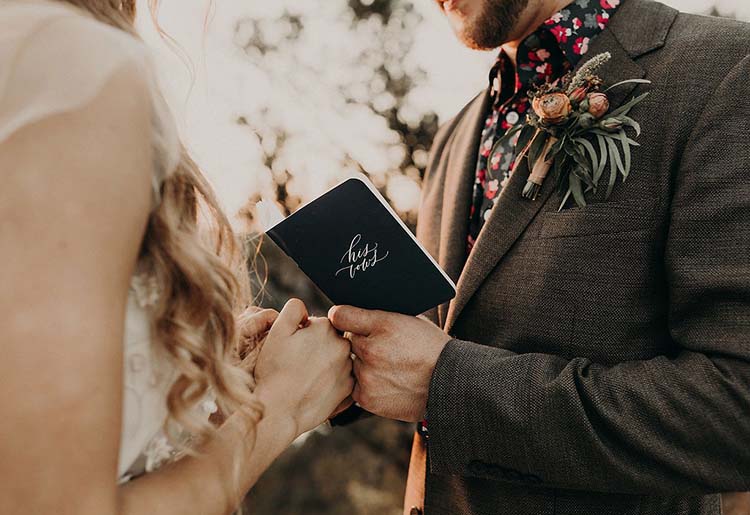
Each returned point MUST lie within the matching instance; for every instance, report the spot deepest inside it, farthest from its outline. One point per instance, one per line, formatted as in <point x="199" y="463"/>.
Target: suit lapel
<point x="459" y="184"/>
<point x="508" y="220"/>
<point x="512" y="214"/>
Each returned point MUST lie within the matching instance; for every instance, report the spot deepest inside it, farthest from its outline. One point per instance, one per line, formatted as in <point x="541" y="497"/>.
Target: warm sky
<point x="227" y="85"/>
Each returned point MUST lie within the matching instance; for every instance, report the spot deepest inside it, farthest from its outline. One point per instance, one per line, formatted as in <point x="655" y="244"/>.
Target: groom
<point x="596" y="360"/>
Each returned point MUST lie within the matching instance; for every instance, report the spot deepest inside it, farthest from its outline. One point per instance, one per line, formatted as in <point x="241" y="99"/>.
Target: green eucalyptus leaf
<point x="561" y="161"/>
<point x="601" y="132"/>
<point x="580" y="158"/>
<point x="627" y="120"/>
<point x="573" y="148"/>
<point x="614" y="163"/>
<point x="603" y="160"/>
<point x="612" y="170"/>
<point x="629" y="81"/>
<point x="626" y="154"/>
<point x="585" y="176"/>
<point x="592" y="155"/>
<point x="577" y="190"/>
<point x="614" y="153"/>
<point x="625" y="109"/>
<point x="556" y="148"/>
<point x="564" y="200"/>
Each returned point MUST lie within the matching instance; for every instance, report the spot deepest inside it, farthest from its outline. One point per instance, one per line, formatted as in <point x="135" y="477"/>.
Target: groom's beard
<point x="494" y="25"/>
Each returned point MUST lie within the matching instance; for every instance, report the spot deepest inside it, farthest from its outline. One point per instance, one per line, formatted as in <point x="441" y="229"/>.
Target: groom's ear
<point x="353" y="320"/>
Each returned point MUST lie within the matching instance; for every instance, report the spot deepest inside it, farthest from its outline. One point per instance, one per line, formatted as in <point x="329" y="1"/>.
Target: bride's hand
<point x="253" y="326"/>
<point x="304" y="368"/>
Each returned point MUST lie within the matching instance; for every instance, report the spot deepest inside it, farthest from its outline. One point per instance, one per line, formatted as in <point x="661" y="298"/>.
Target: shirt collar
<point x="555" y="47"/>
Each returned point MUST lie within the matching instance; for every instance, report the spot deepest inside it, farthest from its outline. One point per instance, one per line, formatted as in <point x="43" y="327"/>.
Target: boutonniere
<point x="572" y="132"/>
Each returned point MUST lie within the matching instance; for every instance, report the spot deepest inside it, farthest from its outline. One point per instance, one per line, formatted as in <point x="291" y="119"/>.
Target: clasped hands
<point x="393" y="358"/>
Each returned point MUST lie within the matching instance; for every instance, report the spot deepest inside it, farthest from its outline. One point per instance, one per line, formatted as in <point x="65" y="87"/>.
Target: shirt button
<point x="512" y="117"/>
<point x="415" y="511"/>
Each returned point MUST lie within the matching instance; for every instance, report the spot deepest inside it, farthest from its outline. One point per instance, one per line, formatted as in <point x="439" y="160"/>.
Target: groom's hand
<point x="396" y="355"/>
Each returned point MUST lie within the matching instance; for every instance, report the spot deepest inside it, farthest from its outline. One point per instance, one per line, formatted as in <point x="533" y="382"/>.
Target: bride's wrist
<point x="276" y="411"/>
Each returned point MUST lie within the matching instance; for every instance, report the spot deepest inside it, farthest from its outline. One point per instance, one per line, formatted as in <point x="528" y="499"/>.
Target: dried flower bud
<point x="552" y="108"/>
<point x="598" y="104"/>
<point x="612" y="124"/>
<point x="578" y="95"/>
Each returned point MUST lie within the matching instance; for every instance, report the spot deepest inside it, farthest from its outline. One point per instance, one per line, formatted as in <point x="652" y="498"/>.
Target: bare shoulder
<point x="77" y="184"/>
<point x="98" y="150"/>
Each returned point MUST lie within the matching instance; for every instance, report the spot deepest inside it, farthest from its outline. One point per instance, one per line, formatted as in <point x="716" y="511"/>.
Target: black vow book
<point x="355" y="248"/>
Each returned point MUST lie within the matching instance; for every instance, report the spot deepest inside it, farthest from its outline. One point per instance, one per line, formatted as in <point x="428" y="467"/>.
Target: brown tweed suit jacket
<point x="601" y="360"/>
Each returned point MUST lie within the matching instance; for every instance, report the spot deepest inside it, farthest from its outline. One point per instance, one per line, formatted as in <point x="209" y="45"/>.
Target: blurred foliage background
<point x="280" y="100"/>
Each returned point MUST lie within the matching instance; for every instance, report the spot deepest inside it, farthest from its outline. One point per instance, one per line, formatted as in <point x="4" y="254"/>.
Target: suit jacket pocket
<point x="601" y="218"/>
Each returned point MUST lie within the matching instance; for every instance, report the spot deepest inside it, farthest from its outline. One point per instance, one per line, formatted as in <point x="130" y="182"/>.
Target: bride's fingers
<point x="292" y="317"/>
<point x="258" y="323"/>
<point x="251" y="310"/>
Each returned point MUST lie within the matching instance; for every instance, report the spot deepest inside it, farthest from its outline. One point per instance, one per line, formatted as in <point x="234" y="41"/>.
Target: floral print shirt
<point x="546" y="55"/>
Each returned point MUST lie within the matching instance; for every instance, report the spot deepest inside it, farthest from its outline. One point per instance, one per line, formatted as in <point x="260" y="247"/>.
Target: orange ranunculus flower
<point x="552" y="108"/>
<point x="598" y="104"/>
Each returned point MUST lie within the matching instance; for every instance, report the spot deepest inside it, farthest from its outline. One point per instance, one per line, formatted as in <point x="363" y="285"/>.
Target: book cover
<point x="355" y="248"/>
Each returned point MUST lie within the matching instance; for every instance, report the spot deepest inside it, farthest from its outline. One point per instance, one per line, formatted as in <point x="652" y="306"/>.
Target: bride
<point x="131" y="381"/>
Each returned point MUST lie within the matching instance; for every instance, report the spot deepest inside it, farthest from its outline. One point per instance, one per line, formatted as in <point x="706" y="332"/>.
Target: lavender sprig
<point x="587" y="70"/>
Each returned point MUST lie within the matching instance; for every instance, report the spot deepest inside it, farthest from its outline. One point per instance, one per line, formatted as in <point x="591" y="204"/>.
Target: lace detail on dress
<point x="161" y="451"/>
<point x="148" y="376"/>
<point x="146" y="290"/>
<point x="158" y="452"/>
<point x="149" y="439"/>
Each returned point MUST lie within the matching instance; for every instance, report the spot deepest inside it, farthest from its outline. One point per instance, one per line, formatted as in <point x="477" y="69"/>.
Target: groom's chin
<point x="469" y="39"/>
<point x="469" y="34"/>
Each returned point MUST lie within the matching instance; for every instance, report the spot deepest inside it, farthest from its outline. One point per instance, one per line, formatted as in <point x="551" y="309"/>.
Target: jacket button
<point x="415" y="511"/>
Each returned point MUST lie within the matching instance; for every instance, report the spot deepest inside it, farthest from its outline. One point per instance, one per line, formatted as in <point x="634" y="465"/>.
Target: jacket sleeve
<point x="678" y="422"/>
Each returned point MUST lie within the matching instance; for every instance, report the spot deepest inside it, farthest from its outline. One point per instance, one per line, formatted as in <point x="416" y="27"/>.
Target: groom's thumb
<point x="353" y="320"/>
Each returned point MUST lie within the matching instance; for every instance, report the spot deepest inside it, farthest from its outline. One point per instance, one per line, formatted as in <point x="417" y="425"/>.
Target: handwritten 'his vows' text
<point x="360" y="258"/>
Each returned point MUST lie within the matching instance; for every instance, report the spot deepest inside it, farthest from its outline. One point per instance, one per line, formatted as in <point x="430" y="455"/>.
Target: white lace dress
<point x="55" y="59"/>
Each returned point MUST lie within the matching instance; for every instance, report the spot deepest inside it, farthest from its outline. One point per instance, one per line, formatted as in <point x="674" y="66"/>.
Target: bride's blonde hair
<point x="200" y="283"/>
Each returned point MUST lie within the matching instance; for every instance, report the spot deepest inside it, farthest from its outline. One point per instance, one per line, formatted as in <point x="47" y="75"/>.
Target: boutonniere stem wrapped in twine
<point x="572" y="133"/>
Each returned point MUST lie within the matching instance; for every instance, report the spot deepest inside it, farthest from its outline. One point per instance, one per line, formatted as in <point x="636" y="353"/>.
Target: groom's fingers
<point x="362" y="347"/>
<point x="354" y="320"/>
<point x="292" y="317"/>
<point x="357" y="368"/>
